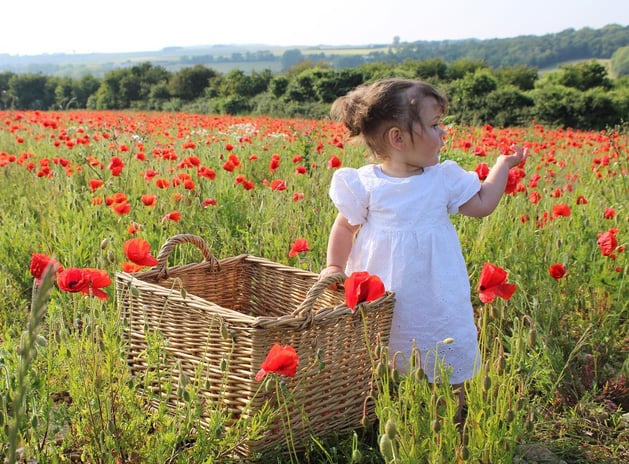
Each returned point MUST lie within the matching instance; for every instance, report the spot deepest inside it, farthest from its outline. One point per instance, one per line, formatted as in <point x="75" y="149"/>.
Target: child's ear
<point x="395" y="137"/>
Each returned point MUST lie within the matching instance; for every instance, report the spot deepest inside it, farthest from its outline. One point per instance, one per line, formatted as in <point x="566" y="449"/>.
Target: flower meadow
<point x="84" y="195"/>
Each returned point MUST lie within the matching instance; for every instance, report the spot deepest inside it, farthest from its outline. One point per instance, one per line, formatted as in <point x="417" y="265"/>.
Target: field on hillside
<point x="77" y="186"/>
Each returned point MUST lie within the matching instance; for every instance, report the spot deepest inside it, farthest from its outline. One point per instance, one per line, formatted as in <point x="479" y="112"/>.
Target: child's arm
<point x="491" y="191"/>
<point x="339" y="245"/>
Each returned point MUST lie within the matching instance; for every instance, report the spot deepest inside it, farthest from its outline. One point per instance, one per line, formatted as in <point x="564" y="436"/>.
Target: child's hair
<point x="369" y="108"/>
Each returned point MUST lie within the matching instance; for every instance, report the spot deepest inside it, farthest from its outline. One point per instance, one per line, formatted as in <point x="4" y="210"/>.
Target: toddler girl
<point x="393" y="219"/>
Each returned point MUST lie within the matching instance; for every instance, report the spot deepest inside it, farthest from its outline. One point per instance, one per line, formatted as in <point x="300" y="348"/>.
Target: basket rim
<point x="290" y="319"/>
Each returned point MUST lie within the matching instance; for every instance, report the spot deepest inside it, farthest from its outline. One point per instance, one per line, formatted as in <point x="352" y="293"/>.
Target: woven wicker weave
<point x="230" y="314"/>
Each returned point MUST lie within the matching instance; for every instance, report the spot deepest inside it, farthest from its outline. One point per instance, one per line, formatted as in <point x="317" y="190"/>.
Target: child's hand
<point x="326" y="271"/>
<point x="518" y="157"/>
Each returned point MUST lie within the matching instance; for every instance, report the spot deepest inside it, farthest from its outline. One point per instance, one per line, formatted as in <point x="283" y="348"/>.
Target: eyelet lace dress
<point x="407" y="239"/>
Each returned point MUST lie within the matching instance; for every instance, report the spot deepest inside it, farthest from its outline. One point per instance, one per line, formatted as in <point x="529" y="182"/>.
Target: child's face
<point x="428" y="135"/>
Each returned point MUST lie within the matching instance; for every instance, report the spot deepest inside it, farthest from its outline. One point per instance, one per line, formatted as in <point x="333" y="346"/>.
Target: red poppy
<point x="560" y="210"/>
<point x="513" y="180"/>
<point x="138" y="251"/>
<point x="278" y="185"/>
<point x="41" y="262"/>
<point x="334" y="162"/>
<point x="115" y="166"/>
<point x="84" y="280"/>
<point x="209" y="202"/>
<point x="607" y="241"/>
<point x="300" y="245"/>
<point x="149" y="199"/>
<point x="557" y="271"/>
<point x="282" y="360"/>
<point x="172" y="216"/>
<point x="361" y="286"/>
<point x="609" y="213"/>
<point x="122" y="208"/>
<point x="131" y="267"/>
<point x="95" y="183"/>
<point x="493" y="283"/>
<point x="482" y="170"/>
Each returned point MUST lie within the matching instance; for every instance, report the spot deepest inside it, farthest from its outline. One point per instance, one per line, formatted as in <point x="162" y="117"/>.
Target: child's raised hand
<point x="520" y="154"/>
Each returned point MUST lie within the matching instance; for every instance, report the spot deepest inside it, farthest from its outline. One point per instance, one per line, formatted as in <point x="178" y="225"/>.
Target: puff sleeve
<point x="349" y="195"/>
<point x="461" y="185"/>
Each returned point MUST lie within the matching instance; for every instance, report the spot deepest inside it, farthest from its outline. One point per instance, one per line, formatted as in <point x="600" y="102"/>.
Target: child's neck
<point x="395" y="170"/>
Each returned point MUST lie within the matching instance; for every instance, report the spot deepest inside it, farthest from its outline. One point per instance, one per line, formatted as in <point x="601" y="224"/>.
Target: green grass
<point x="554" y="370"/>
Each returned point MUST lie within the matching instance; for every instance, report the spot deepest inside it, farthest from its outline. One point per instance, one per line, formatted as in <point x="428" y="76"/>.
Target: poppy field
<point x="85" y="194"/>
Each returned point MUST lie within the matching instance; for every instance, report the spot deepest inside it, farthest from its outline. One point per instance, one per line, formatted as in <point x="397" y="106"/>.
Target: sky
<point x="31" y="27"/>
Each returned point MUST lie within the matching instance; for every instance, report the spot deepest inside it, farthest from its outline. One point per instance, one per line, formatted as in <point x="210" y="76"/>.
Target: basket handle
<point x="305" y="308"/>
<point x="168" y="247"/>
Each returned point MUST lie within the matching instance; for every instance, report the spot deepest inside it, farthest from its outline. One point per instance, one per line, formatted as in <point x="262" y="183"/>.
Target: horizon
<point x="129" y="27"/>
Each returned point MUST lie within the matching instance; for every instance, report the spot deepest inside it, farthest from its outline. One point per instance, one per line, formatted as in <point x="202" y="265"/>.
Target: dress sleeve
<point x="349" y="195"/>
<point x="461" y="185"/>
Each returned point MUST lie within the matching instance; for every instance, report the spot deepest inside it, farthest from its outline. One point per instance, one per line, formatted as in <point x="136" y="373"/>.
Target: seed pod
<point x="390" y="428"/>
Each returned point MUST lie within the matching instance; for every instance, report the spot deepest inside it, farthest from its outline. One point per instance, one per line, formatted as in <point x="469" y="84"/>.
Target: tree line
<point x="581" y="95"/>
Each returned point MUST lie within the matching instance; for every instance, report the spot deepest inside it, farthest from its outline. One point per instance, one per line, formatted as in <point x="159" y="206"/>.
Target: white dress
<point x="408" y="240"/>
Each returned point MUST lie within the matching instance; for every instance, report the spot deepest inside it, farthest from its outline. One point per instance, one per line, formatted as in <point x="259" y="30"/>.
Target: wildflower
<point x="560" y="210"/>
<point x="278" y="185"/>
<point x="208" y="202"/>
<point x="361" y="286"/>
<point x="557" y="271"/>
<point x="493" y="283"/>
<point x="131" y="267"/>
<point x="482" y="171"/>
<point x="95" y="183"/>
<point x="41" y="262"/>
<point x="173" y="216"/>
<point x="149" y="199"/>
<point x="84" y="280"/>
<point x="282" y="360"/>
<point x="115" y="166"/>
<point x="300" y="245"/>
<point x="607" y="242"/>
<point x="122" y="208"/>
<point x="609" y="213"/>
<point x="138" y="251"/>
<point x="334" y="162"/>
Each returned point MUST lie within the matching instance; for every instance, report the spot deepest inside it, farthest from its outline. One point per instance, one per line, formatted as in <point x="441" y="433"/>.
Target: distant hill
<point x="543" y="52"/>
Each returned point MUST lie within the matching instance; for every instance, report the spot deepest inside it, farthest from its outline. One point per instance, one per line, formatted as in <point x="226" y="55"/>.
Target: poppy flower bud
<point x="532" y="337"/>
<point x="435" y="425"/>
<point x="357" y="456"/>
<point x="390" y="428"/>
<point x="486" y="383"/>
<point x="104" y="244"/>
<point x="386" y="447"/>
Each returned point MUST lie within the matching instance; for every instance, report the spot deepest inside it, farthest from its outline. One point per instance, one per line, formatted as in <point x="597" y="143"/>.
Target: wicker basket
<point x="227" y="317"/>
